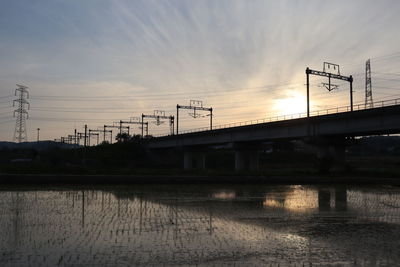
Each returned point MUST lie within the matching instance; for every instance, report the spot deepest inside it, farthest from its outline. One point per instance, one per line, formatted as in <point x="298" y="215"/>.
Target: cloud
<point x="238" y="56"/>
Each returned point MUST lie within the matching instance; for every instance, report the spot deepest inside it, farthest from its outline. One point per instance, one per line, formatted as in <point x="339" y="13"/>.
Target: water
<point x="213" y="225"/>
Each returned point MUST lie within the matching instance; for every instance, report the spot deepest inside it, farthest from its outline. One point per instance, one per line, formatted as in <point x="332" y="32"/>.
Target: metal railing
<point x="378" y="104"/>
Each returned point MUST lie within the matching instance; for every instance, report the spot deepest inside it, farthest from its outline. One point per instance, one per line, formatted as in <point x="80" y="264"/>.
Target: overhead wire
<point x="220" y="103"/>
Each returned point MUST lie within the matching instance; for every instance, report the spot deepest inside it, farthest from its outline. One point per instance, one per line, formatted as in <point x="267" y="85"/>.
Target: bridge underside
<point x="332" y="129"/>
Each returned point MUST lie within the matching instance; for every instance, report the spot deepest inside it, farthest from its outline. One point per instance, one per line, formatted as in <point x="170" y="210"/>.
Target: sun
<point x="293" y="103"/>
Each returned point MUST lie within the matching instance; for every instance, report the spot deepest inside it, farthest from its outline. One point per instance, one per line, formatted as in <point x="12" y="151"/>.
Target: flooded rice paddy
<point x="207" y="225"/>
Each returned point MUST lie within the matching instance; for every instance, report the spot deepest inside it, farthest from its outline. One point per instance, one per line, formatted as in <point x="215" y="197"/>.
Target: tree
<point x="122" y="137"/>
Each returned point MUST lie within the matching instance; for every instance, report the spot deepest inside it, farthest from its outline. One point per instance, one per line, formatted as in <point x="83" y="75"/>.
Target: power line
<point x="383" y="73"/>
<point x="152" y="96"/>
<point x="77" y="111"/>
<point x="4" y="122"/>
<point x="7" y="96"/>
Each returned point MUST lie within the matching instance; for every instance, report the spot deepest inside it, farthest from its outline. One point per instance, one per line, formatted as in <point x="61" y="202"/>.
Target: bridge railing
<point x="377" y="104"/>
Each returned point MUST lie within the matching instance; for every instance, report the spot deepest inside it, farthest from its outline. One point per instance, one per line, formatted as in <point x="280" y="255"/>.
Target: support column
<point x="194" y="160"/>
<point x="331" y="154"/>
<point x="246" y="157"/>
<point x="341" y="198"/>
<point x="324" y="199"/>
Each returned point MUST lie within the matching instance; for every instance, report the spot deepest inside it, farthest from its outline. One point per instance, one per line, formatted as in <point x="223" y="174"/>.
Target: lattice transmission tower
<point x="368" y="85"/>
<point x="21" y="113"/>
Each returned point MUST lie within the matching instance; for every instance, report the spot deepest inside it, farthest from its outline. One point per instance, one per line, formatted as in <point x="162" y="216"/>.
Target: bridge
<point x="325" y="130"/>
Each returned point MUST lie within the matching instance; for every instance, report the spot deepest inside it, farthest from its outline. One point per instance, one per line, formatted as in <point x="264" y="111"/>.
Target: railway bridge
<point x="325" y="130"/>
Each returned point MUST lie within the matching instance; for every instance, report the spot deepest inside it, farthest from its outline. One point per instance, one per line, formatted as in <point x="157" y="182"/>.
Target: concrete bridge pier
<point x="324" y="199"/>
<point x="194" y="160"/>
<point x="331" y="154"/>
<point x="332" y="198"/>
<point x="341" y="198"/>
<point x="246" y="157"/>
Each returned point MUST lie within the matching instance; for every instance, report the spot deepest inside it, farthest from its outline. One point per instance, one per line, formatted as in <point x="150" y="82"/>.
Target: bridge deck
<point x="382" y="120"/>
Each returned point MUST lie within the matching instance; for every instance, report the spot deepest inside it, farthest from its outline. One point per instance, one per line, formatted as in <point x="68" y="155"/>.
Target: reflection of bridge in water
<point x="183" y="224"/>
<point x="294" y="199"/>
<point x="322" y="216"/>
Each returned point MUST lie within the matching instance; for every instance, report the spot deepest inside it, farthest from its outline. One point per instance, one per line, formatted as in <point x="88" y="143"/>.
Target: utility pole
<point x="75" y="137"/>
<point x="70" y="139"/>
<point x="142" y="128"/>
<point x="120" y="126"/>
<point x="133" y="120"/>
<point x="159" y="115"/>
<point x="195" y="105"/>
<point x="330" y="76"/>
<point x="85" y="137"/>
<point x="82" y="136"/>
<point x="38" y="130"/>
<point x="107" y="131"/>
<point x="115" y="126"/>
<point x="20" y="134"/>
<point x="95" y="133"/>
<point x="368" y="85"/>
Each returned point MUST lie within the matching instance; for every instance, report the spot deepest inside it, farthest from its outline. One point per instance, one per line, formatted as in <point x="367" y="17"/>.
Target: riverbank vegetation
<point x="371" y="156"/>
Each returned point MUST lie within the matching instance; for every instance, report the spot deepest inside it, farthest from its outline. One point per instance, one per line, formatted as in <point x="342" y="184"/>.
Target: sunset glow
<point x="294" y="103"/>
<point x="96" y="64"/>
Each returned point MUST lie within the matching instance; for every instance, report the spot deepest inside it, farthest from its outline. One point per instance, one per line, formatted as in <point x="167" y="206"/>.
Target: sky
<point x="96" y="62"/>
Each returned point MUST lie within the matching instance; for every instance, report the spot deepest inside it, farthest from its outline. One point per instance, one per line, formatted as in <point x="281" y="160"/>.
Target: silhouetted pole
<point x="38" y="130"/>
<point x="329" y="76"/>
<point x="351" y="92"/>
<point x="171" y="123"/>
<point x="195" y="105"/>
<point x="104" y="133"/>
<point x="83" y="208"/>
<point x="308" y="91"/>
<point x="84" y="138"/>
<point x="158" y="115"/>
<point x="177" y="119"/>
<point x="211" y="115"/>
<point x="142" y="125"/>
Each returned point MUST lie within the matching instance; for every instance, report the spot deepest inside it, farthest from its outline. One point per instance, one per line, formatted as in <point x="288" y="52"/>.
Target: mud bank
<point x="187" y="179"/>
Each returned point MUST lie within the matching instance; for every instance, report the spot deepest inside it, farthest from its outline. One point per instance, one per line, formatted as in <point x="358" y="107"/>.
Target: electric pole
<point x="104" y="131"/>
<point x="38" y="130"/>
<point x="85" y="137"/>
<point x="330" y="76"/>
<point x="75" y="137"/>
<point x="159" y="115"/>
<point x="195" y="105"/>
<point x="20" y="134"/>
<point x="120" y="127"/>
<point x="368" y="85"/>
<point x="135" y="120"/>
<point x="95" y="133"/>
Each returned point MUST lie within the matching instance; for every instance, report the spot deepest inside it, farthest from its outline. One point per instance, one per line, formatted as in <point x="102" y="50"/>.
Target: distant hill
<point x="378" y="145"/>
<point x="41" y="145"/>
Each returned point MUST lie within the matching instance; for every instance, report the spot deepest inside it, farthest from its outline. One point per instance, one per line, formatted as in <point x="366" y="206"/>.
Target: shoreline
<point x="189" y="179"/>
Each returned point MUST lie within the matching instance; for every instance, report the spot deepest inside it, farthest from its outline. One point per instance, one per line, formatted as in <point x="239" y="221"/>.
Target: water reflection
<point x="173" y="225"/>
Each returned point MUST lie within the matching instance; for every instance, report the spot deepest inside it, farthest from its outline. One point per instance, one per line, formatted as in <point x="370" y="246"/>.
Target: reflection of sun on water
<point x="224" y="195"/>
<point x="298" y="200"/>
<point x="294" y="103"/>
